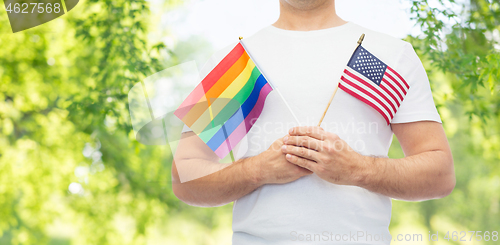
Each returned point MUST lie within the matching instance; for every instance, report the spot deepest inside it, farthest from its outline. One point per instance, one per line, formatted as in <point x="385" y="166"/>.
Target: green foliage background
<point x="64" y="119"/>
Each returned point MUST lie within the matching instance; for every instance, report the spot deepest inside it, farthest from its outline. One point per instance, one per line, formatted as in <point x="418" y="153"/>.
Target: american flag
<point x="372" y="81"/>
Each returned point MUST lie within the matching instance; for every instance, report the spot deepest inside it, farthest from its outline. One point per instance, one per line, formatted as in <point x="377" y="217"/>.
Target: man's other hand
<point x="271" y="166"/>
<point x="323" y="153"/>
<point x="426" y="172"/>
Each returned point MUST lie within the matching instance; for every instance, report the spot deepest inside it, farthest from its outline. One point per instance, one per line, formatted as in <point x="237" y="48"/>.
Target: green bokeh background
<point x="64" y="119"/>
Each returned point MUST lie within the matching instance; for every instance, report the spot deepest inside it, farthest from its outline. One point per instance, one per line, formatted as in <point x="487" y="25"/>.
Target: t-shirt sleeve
<point x="418" y="104"/>
<point x="209" y="66"/>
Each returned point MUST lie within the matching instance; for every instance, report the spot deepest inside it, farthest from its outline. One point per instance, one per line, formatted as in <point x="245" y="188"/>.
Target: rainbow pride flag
<point x="227" y="102"/>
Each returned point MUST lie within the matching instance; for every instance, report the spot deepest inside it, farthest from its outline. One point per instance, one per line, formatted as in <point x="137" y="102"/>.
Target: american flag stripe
<point x="359" y="87"/>
<point x="399" y="76"/>
<point x="367" y="100"/>
<point x="393" y="88"/>
<point x="371" y="86"/>
<point x="383" y="86"/>
<point x="395" y="84"/>
<point x="391" y="78"/>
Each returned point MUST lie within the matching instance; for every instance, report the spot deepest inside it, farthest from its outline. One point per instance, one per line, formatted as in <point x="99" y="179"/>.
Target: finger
<point x="301" y="162"/>
<point x="304" y="141"/>
<point x="311" y="131"/>
<point x="301" y="152"/>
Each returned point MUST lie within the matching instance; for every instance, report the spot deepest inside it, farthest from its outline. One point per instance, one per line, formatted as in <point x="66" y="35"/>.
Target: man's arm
<point x="222" y="185"/>
<point x="216" y="189"/>
<point x="426" y="171"/>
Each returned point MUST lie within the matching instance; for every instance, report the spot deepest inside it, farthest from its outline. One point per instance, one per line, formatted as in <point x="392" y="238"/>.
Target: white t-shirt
<point x="305" y="66"/>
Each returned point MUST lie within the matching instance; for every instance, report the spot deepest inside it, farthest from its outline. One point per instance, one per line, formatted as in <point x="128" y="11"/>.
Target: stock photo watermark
<point x="26" y="14"/>
<point x="365" y="236"/>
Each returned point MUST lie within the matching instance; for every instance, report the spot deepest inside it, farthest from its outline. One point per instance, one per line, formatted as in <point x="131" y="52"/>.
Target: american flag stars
<point x="368" y="65"/>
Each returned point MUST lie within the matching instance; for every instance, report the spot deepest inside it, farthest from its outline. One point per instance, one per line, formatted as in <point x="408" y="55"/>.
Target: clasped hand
<point x="325" y="154"/>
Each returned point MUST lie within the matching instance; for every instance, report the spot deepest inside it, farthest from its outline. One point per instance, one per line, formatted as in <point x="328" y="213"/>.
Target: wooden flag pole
<point x="335" y="91"/>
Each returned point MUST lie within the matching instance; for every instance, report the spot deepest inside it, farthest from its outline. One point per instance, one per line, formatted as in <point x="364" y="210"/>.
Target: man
<point x="323" y="185"/>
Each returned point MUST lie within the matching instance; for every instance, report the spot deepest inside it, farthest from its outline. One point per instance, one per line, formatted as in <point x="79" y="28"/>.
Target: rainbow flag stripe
<point x="227" y="102"/>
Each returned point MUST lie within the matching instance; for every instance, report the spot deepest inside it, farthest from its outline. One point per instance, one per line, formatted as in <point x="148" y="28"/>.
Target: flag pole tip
<point x="361" y="39"/>
<point x="240" y="38"/>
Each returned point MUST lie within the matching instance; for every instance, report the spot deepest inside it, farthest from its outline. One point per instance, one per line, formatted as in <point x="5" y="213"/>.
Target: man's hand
<point x="214" y="188"/>
<point x="426" y="172"/>
<point x="271" y="166"/>
<point x="323" y="153"/>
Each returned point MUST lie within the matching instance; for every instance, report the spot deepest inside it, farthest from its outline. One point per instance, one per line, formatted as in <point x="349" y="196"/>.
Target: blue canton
<point x="367" y="65"/>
